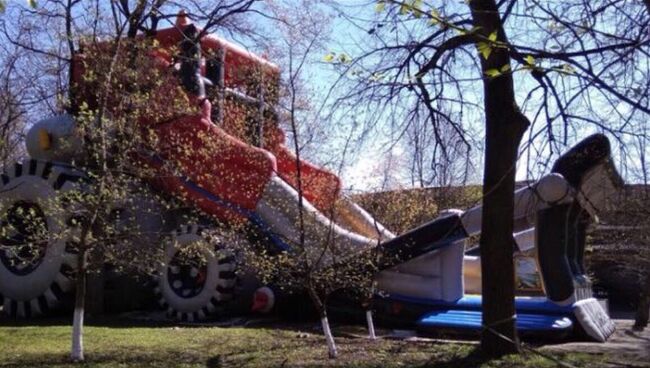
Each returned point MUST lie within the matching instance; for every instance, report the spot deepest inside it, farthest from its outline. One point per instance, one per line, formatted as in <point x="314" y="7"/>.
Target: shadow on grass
<point x="102" y="321"/>
<point x="218" y="362"/>
<point x="214" y="362"/>
<point x="474" y="359"/>
<point x="94" y="358"/>
<point x="126" y="321"/>
<point x="299" y="326"/>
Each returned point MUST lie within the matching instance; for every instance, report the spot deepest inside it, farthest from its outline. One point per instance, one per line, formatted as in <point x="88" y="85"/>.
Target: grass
<point x="124" y="345"/>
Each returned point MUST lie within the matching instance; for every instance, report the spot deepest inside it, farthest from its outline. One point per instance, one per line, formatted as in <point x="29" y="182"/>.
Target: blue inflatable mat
<point x="471" y="320"/>
<point x="523" y="304"/>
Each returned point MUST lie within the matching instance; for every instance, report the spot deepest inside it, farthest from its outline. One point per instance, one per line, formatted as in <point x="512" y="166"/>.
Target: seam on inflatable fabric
<point x="446" y="243"/>
<point x="257" y="220"/>
<point x="566" y="311"/>
<point x="251" y="215"/>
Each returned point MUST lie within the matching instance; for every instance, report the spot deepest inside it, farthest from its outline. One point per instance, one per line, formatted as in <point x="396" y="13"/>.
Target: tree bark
<point x="371" y="325"/>
<point x="94" y="304"/>
<point x="329" y="338"/>
<point x="77" y="351"/>
<point x="504" y="126"/>
<point x="332" y="351"/>
<point x="643" y="309"/>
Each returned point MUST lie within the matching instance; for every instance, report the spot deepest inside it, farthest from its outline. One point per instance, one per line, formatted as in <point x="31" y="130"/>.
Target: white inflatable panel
<point x="424" y="287"/>
<point x="593" y="319"/>
<point x="444" y="265"/>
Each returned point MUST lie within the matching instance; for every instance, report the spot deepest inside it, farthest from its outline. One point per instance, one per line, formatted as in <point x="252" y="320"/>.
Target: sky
<point x="365" y="170"/>
<point x="365" y="167"/>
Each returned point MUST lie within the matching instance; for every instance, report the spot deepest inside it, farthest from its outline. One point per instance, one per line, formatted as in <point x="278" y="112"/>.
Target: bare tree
<point x="562" y="61"/>
<point x="316" y="265"/>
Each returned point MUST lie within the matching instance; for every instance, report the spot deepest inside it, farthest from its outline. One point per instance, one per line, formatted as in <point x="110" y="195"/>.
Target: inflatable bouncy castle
<point x="225" y="156"/>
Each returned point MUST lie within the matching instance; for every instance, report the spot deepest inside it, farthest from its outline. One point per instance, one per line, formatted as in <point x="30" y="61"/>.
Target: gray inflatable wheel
<point x="198" y="276"/>
<point x="37" y="257"/>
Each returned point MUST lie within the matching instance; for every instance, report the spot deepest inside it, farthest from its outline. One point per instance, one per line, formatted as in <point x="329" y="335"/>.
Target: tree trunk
<point x="331" y="345"/>
<point x="94" y="305"/>
<point x="497" y="266"/>
<point x="643" y="309"/>
<point x="77" y="353"/>
<point x="504" y="127"/>
<point x="322" y="312"/>
<point x="371" y="325"/>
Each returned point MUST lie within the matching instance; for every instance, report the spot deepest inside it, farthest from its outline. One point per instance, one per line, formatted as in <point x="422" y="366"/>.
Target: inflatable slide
<point x="228" y="159"/>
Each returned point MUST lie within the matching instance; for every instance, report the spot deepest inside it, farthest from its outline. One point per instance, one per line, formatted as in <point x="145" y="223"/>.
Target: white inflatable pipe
<point x="472" y="274"/>
<point x="550" y="190"/>
<point x="350" y="211"/>
<point x="279" y="208"/>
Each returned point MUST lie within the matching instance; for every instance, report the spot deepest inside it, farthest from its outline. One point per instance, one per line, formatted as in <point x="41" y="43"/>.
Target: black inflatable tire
<point x="32" y="289"/>
<point x="552" y="240"/>
<point x="217" y="278"/>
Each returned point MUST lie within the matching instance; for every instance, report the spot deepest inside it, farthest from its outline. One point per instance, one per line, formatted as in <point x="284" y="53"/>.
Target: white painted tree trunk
<point x="77" y="353"/>
<point x="331" y="345"/>
<point x="371" y="325"/>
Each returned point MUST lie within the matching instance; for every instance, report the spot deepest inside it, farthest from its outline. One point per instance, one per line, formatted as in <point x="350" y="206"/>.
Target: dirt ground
<point x="625" y="348"/>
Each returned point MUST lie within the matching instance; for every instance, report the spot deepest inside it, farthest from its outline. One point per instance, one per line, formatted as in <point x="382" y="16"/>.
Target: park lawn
<point x="183" y="346"/>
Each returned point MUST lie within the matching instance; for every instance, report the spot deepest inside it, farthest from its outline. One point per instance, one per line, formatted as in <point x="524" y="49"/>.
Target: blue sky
<point x="364" y="167"/>
<point x="364" y="170"/>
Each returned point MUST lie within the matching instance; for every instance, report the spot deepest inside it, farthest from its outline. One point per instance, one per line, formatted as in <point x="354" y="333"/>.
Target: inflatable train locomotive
<point x="250" y="176"/>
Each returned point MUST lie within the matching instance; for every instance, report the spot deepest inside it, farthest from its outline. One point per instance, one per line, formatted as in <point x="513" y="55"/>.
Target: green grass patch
<point x="272" y="346"/>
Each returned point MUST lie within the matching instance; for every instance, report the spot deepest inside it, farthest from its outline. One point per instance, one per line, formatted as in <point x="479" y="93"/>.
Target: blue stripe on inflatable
<point x="535" y="305"/>
<point x="251" y="215"/>
<point x="279" y="243"/>
<point x="471" y="320"/>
